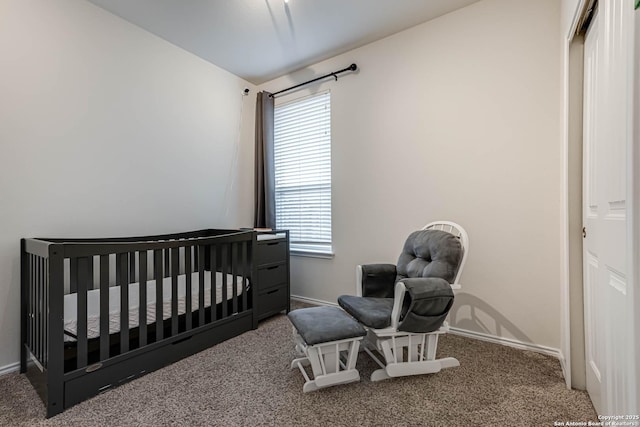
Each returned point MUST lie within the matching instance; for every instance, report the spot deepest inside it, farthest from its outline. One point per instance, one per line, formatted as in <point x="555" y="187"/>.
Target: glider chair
<point x="404" y="307"/>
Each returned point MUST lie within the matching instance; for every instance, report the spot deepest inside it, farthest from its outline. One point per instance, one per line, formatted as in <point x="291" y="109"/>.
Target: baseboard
<point x="509" y="342"/>
<point x="563" y="365"/>
<point x="521" y="345"/>
<point x="13" y="367"/>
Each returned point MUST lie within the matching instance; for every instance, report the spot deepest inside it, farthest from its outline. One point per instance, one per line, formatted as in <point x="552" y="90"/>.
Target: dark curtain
<point x="265" y="201"/>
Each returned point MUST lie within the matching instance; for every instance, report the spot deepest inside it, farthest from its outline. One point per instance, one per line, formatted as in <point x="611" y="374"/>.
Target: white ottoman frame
<point x="332" y="362"/>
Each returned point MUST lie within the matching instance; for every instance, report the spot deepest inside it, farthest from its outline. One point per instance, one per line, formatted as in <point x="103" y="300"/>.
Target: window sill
<point x="311" y="253"/>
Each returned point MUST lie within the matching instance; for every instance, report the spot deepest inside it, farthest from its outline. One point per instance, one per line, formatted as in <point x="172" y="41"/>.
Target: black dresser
<point x="272" y="265"/>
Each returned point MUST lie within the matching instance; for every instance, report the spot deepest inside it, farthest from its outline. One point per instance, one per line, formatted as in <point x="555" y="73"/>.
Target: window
<point x="302" y="157"/>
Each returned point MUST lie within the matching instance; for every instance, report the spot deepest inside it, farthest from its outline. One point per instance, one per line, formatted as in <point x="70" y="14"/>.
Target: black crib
<point x="67" y="366"/>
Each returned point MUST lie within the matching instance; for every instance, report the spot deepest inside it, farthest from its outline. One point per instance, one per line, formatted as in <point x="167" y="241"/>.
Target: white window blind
<point x="302" y="156"/>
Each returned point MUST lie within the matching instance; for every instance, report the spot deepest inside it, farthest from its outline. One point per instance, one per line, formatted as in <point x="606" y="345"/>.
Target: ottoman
<point x="329" y="339"/>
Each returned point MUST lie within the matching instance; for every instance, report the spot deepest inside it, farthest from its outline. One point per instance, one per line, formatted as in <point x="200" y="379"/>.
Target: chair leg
<point x="432" y="346"/>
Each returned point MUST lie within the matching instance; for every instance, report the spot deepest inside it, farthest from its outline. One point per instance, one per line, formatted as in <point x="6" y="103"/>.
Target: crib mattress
<point x="93" y="303"/>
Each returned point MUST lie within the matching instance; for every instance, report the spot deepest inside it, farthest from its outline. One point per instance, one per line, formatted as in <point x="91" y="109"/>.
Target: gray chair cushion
<point x="430" y="253"/>
<point x="371" y="312"/>
<point x="324" y="324"/>
<point x="378" y="280"/>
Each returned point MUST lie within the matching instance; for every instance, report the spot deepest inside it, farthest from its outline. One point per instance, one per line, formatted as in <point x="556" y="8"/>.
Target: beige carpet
<point x="246" y="381"/>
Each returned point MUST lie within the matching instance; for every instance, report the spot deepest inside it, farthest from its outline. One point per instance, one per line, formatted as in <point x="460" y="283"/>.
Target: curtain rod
<point x="351" y="67"/>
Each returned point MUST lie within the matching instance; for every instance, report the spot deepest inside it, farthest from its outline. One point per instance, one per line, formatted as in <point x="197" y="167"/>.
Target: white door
<point x="608" y="308"/>
<point x="593" y="312"/>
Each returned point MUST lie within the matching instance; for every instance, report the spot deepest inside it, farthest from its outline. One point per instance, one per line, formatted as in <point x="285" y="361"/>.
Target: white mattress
<point x="93" y="302"/>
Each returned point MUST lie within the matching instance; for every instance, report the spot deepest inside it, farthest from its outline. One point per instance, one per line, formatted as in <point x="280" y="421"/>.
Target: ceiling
<point x="259" y="40"/>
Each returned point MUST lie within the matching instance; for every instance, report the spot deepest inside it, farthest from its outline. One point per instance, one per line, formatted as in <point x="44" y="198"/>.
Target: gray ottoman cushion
<point x="324" y="324"/>
<point x="373" y="312"/>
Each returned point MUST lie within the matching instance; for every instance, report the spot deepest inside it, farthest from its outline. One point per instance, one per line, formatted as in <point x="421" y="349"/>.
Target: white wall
<point x="107" y="130"/>
<point x="457" y="118"/>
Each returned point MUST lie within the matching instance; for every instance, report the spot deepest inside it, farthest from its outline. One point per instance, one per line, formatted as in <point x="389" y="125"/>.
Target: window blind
<point x="302" y="157"/>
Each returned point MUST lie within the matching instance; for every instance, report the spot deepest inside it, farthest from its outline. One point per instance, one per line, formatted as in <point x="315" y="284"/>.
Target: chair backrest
<point x="449" y="243"/>
<point x="460" y="233"/>
<point x="430" y="253"/>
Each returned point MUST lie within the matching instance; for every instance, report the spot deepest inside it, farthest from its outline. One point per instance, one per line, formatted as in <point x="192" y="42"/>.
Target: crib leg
<point x="23" y="359"/>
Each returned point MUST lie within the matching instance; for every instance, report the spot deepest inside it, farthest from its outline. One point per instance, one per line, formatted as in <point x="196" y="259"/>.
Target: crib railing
<point x="47" y="266"/>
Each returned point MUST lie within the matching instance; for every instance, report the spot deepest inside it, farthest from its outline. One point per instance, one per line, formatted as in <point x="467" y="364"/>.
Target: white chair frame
<point x="420" y="348"/>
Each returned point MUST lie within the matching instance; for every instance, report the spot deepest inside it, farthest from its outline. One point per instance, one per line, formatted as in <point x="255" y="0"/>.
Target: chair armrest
<point x="375" y="280"/>
<point x="426" y="285"/>
<point x="430" y="300"/>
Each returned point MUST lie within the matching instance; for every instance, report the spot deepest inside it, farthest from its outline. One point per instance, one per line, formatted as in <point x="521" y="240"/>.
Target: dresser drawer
<point x="270" y="252"/>
<point x="272" y="301"/>
<point x="273" y="275"/>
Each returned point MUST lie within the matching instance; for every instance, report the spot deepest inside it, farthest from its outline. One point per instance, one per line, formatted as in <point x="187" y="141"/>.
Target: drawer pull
<point x="272" y="243"/>
<point x="273" y="291"/>
<point x="273" y="268"/>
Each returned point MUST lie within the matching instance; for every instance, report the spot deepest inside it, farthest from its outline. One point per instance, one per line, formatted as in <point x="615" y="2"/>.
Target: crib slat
<point x="32" y="304"/>
<point x="123" y="268"/>
<point x="234" y="273"/>
<point x="43" y="309"/>
<point x="225" y="262"/>
<point x="29" y="270"/>
<point x="89" y="280"/>
<point x="175" y="269"/>
<point x="214" y="279"/>
<point x="244" y="273"/>
<point x="188" y="295"/>
<point x="132" y="266"/>
<point x="158" y="276"/>
<point x="36" y="286"/>
<point x="37" y="312"/>
<point x="82" y="281"/>
<point x="104" y="307"/>
<point x="36" y="315"/>
<point x="39" y="308"/>
<point x="201" y="285"/>
<point x="73" y="280"/>
<point x="46" y="319"/>
<point x="142" y="280"/>
<point x="167" y="263"/>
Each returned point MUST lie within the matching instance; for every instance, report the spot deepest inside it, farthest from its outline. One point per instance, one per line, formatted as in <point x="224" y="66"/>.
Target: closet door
<point x="607" y="143"/>
<point x="594" y="309"/>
